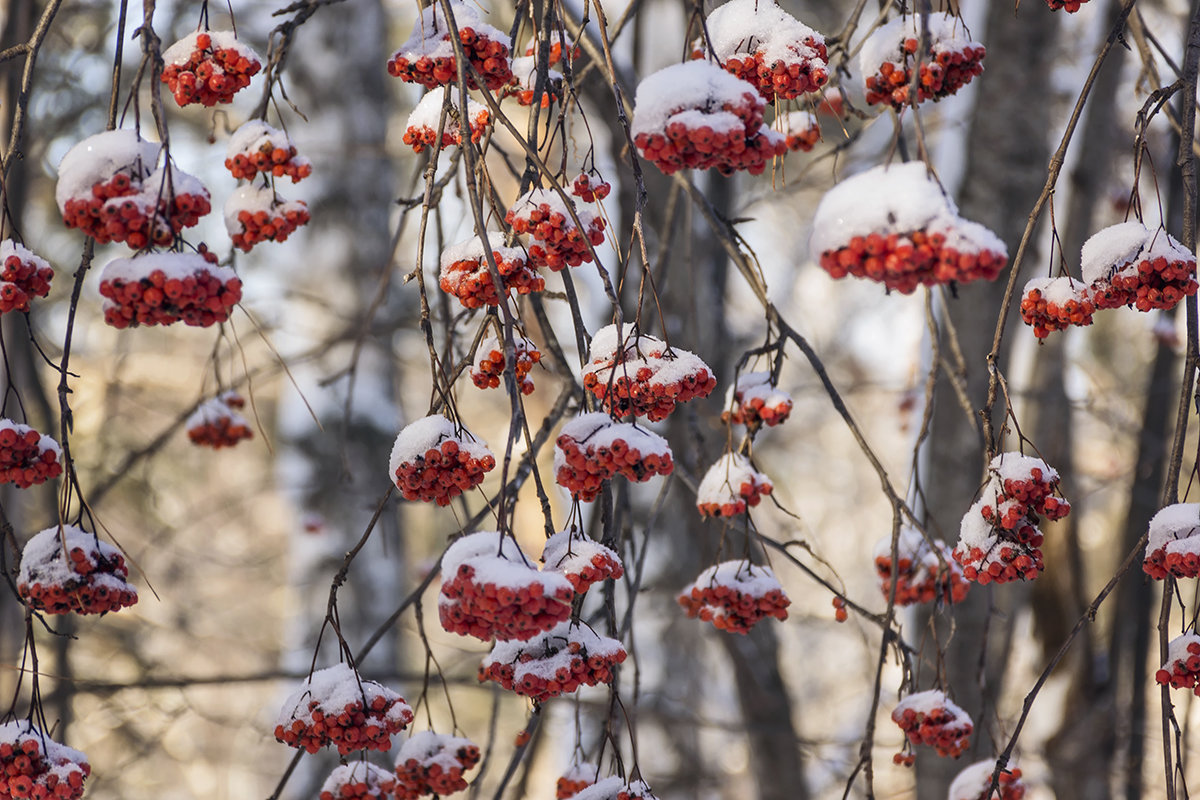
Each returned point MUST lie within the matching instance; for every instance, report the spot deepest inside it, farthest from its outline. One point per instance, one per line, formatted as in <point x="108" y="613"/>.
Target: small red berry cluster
<point x="360" y="780"/>
<point x="433" y="459"/>
<point x="640" y="375"/>
<point x="734" y="596"/>
<point x="208" y="67"/>
<point x="975" y="783"/>
<point x="1053" y="304"/>
<point x="578" y="777"/>
<point x="589" y="188"/>
<point x="592" y="448"/>
<point x="1070" y="6"/>
<point x="756" y="401"/>
<point x="904" y="261"/>
<point x="558" y="662"/>
<point x="35" y="767"/>
<point x="256" y="214"/>
<point x="23" y="276"/>
<point x="425" y="119"/>
<point x="26" y="456"/>
<point x="932" y="719"/>
<point x="464" y="272"/>
<point x="804" y="69"/>
<point x="555" y="240"/>
<point x="888" y="56"/>
<point x="258" y="149"/>
<point x="488" y="370"/>
<point x="922" y="573"/>
<point x="581" y="560"/>
<point x="1129" y="264"/>
<point x="427" y="58"/>
<point x="1182" y="669"/>
<point x="164" y="288"/>
<point x="524" y="81"/>
<point x="730" y="487"/>
<point x="67" y="571"/>
<point x="1173" y="546"/>
<point x="336" y="707"/>
<point x="433" y="764"/>
<point x="217" y="424"/>
<point x="491" y="590"/>
<point x="801" y="131"/>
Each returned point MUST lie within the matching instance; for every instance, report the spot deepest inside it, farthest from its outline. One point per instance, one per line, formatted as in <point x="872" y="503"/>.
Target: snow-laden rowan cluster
<point x="975" y="783"/>
<point x="1052" y="304"/>
<point x="23" y="276"/>
<point x="337" y="707"/>
<point x="557" y="662"/>
<point x="164" y="288"/>
<point x="734" y="596"/>
<point x="464" y="271"/>
<point x="67" y="570"/>
<point x="581" y="560"/>
<point x="431" y="763"/>
<point x="754" y="400"/>
<point x="888" y="56"/>
<point x="1173" y="546"/>
<point x="578" y="777"/>
<point x="208" y="67"/>
<point x="1182" y="667"/>
<point x="434" y="459"/>
<point x="423" y="122"/>
<point x="26" y="456"/>
<point x="592" y="449"/>
<point x="922" y="573"/>
<point x="360" y="780"/>
<point x="524" y="80"/>
<point x="258" y="149"/>
<point x="801" y="131"/>
<point x="555" y="240"/>
<point x="590" y="188"/>
<point x="730" y="486"/>
<point x="488" y="370"/>
<point x="639" y="375"/>
<point x="932" y="719"/>
<point x="216" y="423"/>
<point x="1129" y="264"/>
<point x="35" y="767"/>
<point x="256" y="214"/>
<point x="427" y="57"/>
<point x="615" y="788"/>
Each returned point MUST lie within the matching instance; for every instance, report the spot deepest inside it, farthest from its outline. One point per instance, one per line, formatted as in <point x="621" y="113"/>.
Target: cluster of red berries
<point x="217" y="424"/>
<point x="360" y="780"/>
<point x="491" y="590"/>
<point x="756" y="401"/>
<point x="781" y="78"/>
<point x="1129" y="264"/>
<point x="23" y="276"/>
<point x="801" y="131"/>
<point x="464" y="272"/>
<point x="67" y="570"/>
<point x="26" y="456"/>
<point x="922" y="573"/>
<point x="639" y="375"/>
<point x="931" y="718"/>
<point x="125" y="208"/>
<point x="433" y="763"/>
<point x="1173" y="546"/>
<point x="734" y="596"/>
<point x="590" y="189"/>
<point x="255" y="214"/>
<point x="730" y="487"/>
<point x="433" y="459"/>
<point x="163" y="288"/>
<point x="258" y="149"/>
<point x="488" y="369"/>
<point x="904" y="261"/>
<point x="335" y="706"/>
<point x="424" y="120"/>
<point x="1052" y="304"/>
<point x="558" y="662"/>
<point x="612" y="788"/>
<point x="578" y="777"/>
<point x="35" y="767"/>
<point x="1182" y="670"/>
<point x="208" y="67"/>
<point x="581" y="560"/>
<point x="557" y="241"/>
<point x="592" y="449"/>
<point x="1070" y="6"/>
<point x="524" y="80"/>
<point x="975" y="783"/>
<point x="888" y="55"/>
<point x="427" y="58"/>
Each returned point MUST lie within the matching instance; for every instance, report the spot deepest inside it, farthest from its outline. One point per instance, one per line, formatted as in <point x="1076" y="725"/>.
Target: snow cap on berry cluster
<point x="174" y="266"/>
<point x="596" y="429"/>
<point x="1175" y="531"/>
<point x="664" y="96"/>
<point x="537" y="197"/>
<point x="428" y="111"/>
<point x="9" y="248"/>
<point x="1178" y="650"/>
<point x="891" y="198"/>
<point x="44" y="442"/>
<point x="255" y="198"/>
<point x="556" y="649"/>
<point x="44" y="557"/>
<point x="429" y="33"/>
<point x="180" y="53"/>
<point x="524" y="69"/>
<point x="496" y="557"/>
<point x="212" y="411"/>
<point x="66" y="766"/>
<point x="749" y="579"/>
<point x="256" y="136"/>
<point x="336" y="687"/>
<point x="1116" y="247"/>
<point x="98" y="158"/>
<point x="886" y="44"/>
<point x="427" y="433"/>
<point x="775" y="33"/>
<point x="572" y="552"/>
<point x="472" y="250"/>
<point x="724" y="480"/>
<point x="615" y="788"/>
<point x="975" y="781"/>
<point x="924" y="703"/>
<point x="376" y="783"/>
<point x="1057" y="290"/>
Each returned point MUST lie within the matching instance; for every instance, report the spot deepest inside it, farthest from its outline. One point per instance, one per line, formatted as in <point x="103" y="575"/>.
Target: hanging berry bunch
<point x="258" y="149"/>
<point x="433" y="459"/>
<point x="360" y="780"/>
<point x="1173" y="547"/>
<point x="66" y="570"/>
<point x="488" y="370"/>
<point x="923" y="574"/>
<point x="615" y="788"/>
<point x="801" y="131"/>
<point x="164" y="288"/>
<point x="931" y="718"/>
<point x="217" y="424"/>
<point x="731" y="486"/>
<point x="336" y="707"/>
<point x="428" y="58"/>
<point x="208" y="67"/>
<point x="579" y="776"/>
<point x="464" y="271"/>
<point x="424" y="120"/>
<point x="32" y="765"/>
<point x="1129" y="264"/>
<point x="256" y="214"/>
<point x="558" y="662"/>
<point x="23" y="276"/>
<point x="490" y="589"/>
<point x="1052" y="304"/>
<point x="888" y="55"/>
<point x="433" y="763"/>
<point x="640" y="375"/>
<point x="975" y="783"/>
<point x="1182" y="668"/>
<point x="580" y="560"/>
<point x="756" y="401"/>
<point x="734" y="596"/>
<point x="1070" y="6"/>
<point x="592" y="449"/>
<point x="26" y="456"/>
<point x="555" y="240"/>
<point x="590" y="188"/>
<point x="524" y="81"/>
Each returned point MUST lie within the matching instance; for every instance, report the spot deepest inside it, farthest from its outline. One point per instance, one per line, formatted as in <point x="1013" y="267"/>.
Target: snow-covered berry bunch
<point x="433" y="763"/>
<point x="975" y="783"/>
<point x="23" y="276"/>
<point x="558" y="661"/>
<point x="464" y="271"/>
<point x="433" y="459"/>
<point x="258" y="149"/>
<point x="217" y="424"/>
<point x="590" y="188"/>
<point x="490" y="589"/>
<point x="801" y="131"/>
<point x="1173" y="547"/>
<point x="922" y="573"/>
<point x="580" y="560"/>
<point x="163" y="288"/>
<point x="26" y="456"/>
<point x="731" y="486"/>
<point x="424" y="120"/>
<point x="888" y="55"/>
<point x="639" y="375"/>
<point x="894" y="225"/>
<point x="734" y="596"/>
<point x="336" y="706"/>
<point x="67" y="571"/>
<point x="999" y="538"/>
<point x="696" y="115"/>
<point x="765" y="46"/>
<point x="488" y="370"/>
<point x="208" y="67"/>
<point x="555" y="240"/>
<point x="428" y="58"/>
<point x="524" y="80"/>
<point x="1129" y="264"/>
<point x="1182" y="670"/>
<point x="755" y="401"/>
<point x="592" y="449"/>
<point x="578" y="777"/>
<point x="256" y="214"/>
<point x="1053" y="304"/>
<point x="35" y="767"/>
<point x="360" y="780"/>
<point x="932" y="719"/>
<point x="615" y="788"/>
<point x="1070" y="6"/>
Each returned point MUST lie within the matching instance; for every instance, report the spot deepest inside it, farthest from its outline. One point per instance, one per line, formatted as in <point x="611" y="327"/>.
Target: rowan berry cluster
<point x="755" y="401"/>
<point x="256" y="214"/>
<point x="163" y="288"/>
<point x="931" y="718"/>
<point x="433" y="763"/>
<point x="23" y="276"/>
<point x="581" y="560"/>
<point x="734" y="596"/>
<point x="615" y="788"/>
<point x="217" y="424"/>
<point x="360" y="780"/>
<point x="555" y="240"/>
<point x="922" y="573"/>
<point x="1128" y="264"/>
<point x="433" y="459"/>
<point x="336" y="707"/>
<point x="590" y="188"/>
<point x="1182" y="668"/>
<point x="425" y="119"/>
<point x="26" y="456"/>
<point x="975" y="783"/>
<point x="1173" y="546"/>
<point x="208" y="67"/>
<point x="592" y="449"/>
<point x="731" y="486"/>
<point x="35" y="767"/>
<point x="1053" y="304"/>
<point x="490" y="589"/>
<point x="999" y="539"/>
<point x="578" y="777"/>
<point x="888" y="57"/>
<point x="65" y="570"/>
<point x="258" y="149"/>
<point x="488" y="370"/>
<point x="801" y="131"/>
<point x="464" y="272"/>
<point x="558" y="662"/>
<point x="428" y="57"/>
<point x="695" y="115"/>
<point x="524" y="80"/>
<point x="639" y="375"/>
<point x="1070" y="6"/>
